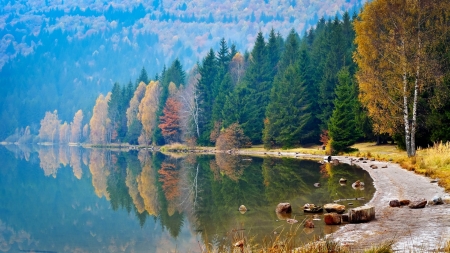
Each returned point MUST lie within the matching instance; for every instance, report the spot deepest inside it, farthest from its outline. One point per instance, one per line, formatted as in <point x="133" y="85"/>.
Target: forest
<point x="347" y="79"/>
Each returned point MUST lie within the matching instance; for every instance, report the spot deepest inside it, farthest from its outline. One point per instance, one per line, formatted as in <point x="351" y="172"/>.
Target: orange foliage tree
<point x="232" y="137"/>
<point x="170" y="121"/>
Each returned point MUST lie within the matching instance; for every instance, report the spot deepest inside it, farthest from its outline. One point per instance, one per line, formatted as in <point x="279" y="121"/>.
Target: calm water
<point x="60" y="199"/>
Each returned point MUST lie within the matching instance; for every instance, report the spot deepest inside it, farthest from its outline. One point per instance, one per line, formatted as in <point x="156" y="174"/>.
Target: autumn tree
<point x="49" y="131"/>
<point x="237" y="68"/>
<point x="170" y="121"/>
<point x="189" y="112"/>
<point x="147" y="112"/>
<point x="64" y="133"/>
<point x="76" y="127"/>
<point x="134" y="125"/>
<point x="99" y="123"/>
<point x="395" y="66"/>
<point x="232" y="137"/>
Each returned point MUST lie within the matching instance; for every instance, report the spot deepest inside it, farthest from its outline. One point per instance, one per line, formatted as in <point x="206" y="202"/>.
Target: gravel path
<point x="413" y="230"/>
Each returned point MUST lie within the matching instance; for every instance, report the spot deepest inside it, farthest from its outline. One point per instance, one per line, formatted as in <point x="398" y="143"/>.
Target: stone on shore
<point x="394" y="203"/>
<point x="334" y="208"/>
<point x="405" y="202"/>
<point x="421" y="203"/>
<point x="361" y="214"/>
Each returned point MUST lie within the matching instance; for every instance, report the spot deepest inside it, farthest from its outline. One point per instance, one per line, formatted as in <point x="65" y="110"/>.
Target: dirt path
<point x="413" y="230"/>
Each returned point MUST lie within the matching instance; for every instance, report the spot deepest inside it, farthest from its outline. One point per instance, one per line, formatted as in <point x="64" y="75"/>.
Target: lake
<point x="70" y="199"/>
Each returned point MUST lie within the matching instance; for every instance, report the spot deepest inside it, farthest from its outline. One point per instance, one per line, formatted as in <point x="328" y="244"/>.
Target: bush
<point x="232" y="137"/>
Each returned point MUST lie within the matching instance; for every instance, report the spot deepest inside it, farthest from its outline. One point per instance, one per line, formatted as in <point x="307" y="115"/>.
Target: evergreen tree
<point x="343" y="128"/>
<point x="176" y="75"/>
<point x="257" y="81"/>
<point x="208" y="72"/>
<point x="143" y="77"/>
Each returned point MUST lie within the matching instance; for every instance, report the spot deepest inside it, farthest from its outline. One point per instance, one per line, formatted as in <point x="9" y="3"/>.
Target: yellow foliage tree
<point x="393" y="38"/>
<point x="49" y="131"/>
<point x="133" y="109"/>
<point x="147" y="112"/>
<point x="99" y="123"/>
<point x="75" y="129"/>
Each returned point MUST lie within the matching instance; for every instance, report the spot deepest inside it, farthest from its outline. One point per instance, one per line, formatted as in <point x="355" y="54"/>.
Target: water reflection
<point x="135" y="200"/>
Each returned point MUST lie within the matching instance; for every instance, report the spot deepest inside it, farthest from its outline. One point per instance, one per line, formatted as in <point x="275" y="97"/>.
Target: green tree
<point x="208" y="72"/>
<point x="343" y="128"/>
<point x="258" y="83"/>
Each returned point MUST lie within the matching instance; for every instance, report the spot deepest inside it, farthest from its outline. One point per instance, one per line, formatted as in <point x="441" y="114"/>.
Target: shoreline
<point x="410" y="230"/>
<point x="425" y="229"/>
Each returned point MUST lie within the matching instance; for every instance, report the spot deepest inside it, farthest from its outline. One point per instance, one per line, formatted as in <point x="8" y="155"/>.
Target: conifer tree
<point x="208" y="72"/>
<point x="258" y="83"/>
<point x="343" y="128"/>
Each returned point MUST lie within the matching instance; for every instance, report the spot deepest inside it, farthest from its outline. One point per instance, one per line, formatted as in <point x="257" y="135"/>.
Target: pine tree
<point x="258" y="83"/>
<point x="343" y="128"/>
<point x="208" y="72"/>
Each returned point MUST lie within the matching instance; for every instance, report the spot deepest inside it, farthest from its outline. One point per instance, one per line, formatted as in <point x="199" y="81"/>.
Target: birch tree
<point x="393" y="39"/>
<point x="75" y="134"/>
<point x="99" y="123"/>
<point x="147" y="112"/>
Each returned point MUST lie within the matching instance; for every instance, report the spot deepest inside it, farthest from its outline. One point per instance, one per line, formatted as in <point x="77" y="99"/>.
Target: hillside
<point x="59" y="55"/>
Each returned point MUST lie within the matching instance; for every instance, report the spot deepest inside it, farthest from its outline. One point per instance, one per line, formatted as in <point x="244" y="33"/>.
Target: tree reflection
<point x="147" y="183"/>
<point x="49" y="161"/>
<point x="98" y="166"/>
<point x="75" y="161"/>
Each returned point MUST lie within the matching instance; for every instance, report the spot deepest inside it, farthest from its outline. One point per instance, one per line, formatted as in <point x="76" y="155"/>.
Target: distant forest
<point x="334" y="82"/>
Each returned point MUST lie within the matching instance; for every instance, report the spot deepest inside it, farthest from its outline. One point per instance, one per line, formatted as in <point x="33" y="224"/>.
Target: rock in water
<point x="309" y="224"/>
<point x="334" y="208"/>
<point x="242" y="209"/>
<point x="332" y="219"/>
<point x="291" y="221"/>
<point x="361" y="214"/>
<point x="421" y="203"/>
<point x="284" y="208"/>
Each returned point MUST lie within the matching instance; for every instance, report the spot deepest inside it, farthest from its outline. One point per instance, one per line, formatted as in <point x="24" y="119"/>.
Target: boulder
<point x="316" y="184"/>
<point x="373" y="166"/>
<point x="284" y="208"/>
<point x="394" y="203"/>
<point x="404" y="202"/>
<point x="421" y="203"/>
<point x="361" y="214"/>
<point x="334" y="208"/>
<point x="239" y="244"/>
<point x="384" y="166"/>
<point x="436" y="200"/>
<point x="332" y="219"/>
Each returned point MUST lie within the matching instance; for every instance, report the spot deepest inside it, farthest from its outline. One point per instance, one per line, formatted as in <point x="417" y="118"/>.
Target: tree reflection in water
<point x="205" y="191"/>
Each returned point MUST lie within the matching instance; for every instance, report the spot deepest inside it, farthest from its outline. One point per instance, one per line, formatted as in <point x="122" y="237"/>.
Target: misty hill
<point x="62" y="54"/>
